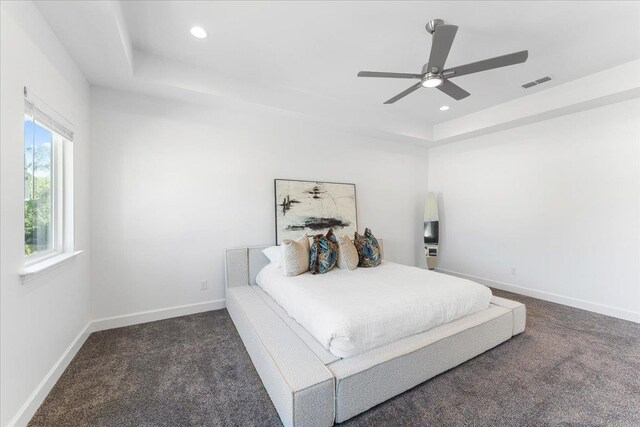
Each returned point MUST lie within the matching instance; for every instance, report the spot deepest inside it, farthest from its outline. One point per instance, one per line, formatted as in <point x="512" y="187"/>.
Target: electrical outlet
<point x="203" y="285"/>
<point x="513" y="271"/>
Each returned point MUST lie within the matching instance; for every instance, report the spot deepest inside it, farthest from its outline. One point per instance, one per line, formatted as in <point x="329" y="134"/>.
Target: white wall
<point x="557" y="200"/>
<point x="174" y="185"/>
<point x="40" y="319"/>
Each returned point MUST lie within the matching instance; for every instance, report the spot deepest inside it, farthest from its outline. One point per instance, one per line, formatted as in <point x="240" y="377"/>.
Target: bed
<point x="350" y="312"/>
<point x="324" y="370"/>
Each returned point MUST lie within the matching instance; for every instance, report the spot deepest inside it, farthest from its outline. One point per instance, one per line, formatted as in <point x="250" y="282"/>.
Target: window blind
<point x="45" y="115"/>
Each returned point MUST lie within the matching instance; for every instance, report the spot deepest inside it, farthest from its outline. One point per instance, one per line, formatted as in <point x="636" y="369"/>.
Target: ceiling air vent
<point x="536" y="82"/>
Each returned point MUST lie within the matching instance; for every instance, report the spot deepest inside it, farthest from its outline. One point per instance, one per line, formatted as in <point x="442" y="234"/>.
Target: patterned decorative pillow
<point x="368" y="249"/>
<point x="296" y="256"/>
<point x="324" y="253"/>
<point x="347" y="254"/>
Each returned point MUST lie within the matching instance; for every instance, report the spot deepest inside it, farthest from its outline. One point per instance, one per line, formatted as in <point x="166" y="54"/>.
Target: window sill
<point x="31" y="272"/>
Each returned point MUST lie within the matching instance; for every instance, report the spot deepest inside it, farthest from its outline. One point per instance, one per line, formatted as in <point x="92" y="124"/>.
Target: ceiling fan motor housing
<point x="433" y="70"/>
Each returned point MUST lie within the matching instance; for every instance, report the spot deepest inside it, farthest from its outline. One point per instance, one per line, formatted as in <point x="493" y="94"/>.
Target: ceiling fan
<point x="433" y="72"/>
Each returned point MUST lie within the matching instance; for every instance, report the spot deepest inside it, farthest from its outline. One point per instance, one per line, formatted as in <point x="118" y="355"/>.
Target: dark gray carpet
<point x="570" y="367"/>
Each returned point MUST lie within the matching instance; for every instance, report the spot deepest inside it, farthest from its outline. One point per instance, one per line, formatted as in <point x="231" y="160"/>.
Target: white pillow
<point x="274" y="253"/>
<point x="296" y="256"/>
<point x="348" y="254"/>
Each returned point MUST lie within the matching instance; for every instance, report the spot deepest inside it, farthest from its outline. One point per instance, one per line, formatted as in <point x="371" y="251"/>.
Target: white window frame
<point x="62" y="194"/>
<point x="58" y="196"/>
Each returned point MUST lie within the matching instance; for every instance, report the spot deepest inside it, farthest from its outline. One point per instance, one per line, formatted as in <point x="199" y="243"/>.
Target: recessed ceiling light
<point x="198" y="32"/>
<point x="444" y="108"/>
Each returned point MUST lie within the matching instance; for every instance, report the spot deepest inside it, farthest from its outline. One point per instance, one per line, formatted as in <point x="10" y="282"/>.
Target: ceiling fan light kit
<point x="434" y="75"/>
<point x="431" y="80"/>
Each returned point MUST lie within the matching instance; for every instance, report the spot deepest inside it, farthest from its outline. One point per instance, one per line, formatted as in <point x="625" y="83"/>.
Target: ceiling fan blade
<point x="404" y="93"/>
<point x="487" y="64"/>
<point x="389" y="75"/>
<point x="443" y="37"/>
<point x="453" y="90"/>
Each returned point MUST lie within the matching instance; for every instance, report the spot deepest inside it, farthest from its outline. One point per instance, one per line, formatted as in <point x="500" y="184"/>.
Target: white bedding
<point x="350" y="312"/>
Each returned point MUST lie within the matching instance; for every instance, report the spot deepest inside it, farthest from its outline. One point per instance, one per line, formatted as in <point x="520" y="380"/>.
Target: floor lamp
<point x="431" y="230"/>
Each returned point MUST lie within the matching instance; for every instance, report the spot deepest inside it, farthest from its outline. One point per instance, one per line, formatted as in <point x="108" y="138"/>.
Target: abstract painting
<point x="314" y="207"/>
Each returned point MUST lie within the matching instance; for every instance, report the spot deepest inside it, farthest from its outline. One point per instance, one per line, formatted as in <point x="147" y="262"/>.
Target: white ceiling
<point x="315" y="49"/>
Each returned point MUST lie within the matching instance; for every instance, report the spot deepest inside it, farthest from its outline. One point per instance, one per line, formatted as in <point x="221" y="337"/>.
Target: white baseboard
<point x="153" y="315"/>
<point x="36" y="398"/>
<point x="33" y="402"/>
<point x="620" y="313"/>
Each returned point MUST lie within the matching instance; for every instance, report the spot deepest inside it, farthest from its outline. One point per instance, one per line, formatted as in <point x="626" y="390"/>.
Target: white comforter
<point x="350" y="312"/>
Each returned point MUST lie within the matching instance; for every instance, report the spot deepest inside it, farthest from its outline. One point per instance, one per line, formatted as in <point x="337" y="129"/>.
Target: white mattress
<point x="350" y="312"/>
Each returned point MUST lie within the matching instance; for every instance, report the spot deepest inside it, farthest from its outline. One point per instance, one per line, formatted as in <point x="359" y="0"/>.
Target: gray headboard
<point x="242" y="265"/>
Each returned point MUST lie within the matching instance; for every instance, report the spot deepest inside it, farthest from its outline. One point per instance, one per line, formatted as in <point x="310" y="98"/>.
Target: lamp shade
<point x="431" y="208"/>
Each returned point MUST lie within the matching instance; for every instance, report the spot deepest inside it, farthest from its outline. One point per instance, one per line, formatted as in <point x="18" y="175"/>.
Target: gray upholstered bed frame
<point x="309" y="386"/>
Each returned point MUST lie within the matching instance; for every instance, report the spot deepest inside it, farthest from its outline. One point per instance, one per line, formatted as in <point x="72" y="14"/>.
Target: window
<point x="40" y="219"/>
<point x="48" y="186"/>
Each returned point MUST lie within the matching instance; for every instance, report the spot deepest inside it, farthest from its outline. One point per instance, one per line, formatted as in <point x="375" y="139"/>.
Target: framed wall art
<point x="313" y="207"/>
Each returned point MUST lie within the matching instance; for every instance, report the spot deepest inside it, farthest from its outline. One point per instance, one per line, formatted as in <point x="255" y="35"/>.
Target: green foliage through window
<point x="38" y="188"/>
